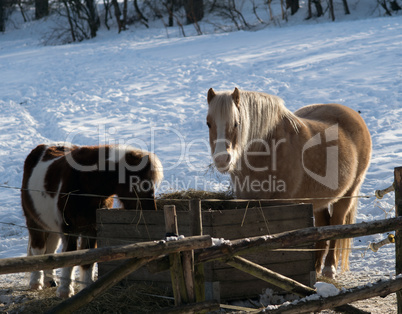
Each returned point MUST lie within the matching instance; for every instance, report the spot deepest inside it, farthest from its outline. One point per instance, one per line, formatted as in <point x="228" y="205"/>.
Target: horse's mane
<point x="259" y="114"/>
<point x="265" y="112"/>
<point x="156" y="169"/>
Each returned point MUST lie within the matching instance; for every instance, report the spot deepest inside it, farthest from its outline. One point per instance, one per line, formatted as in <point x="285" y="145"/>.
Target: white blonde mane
<point x="258" y="113"/>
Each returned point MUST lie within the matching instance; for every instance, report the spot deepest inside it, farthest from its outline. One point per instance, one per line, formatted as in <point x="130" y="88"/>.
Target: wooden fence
<point x="198" y="250"/>
<point x="236" y="221"/>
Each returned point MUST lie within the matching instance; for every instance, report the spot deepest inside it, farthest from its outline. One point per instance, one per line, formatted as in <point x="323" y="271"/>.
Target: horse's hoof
<point x="329" y="272"/>
<point x="64" y="293"/>
<point x="35" y="286"/>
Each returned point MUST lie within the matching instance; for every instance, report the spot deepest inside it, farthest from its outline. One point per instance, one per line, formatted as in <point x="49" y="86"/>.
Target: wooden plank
<point x="141" y="274"/>
<point x="119" y="216"/>
<point x="289" y="269"/>
<point x="176" y="269"/>
<point x="250" y="288"/>
<point x="234" y="232"/>
<point x="281" y="256"/>
<point x="231" y="224"/>
<point x="134" y="217"/>
<point x="252" y="215"/>
<point x="288" y="257"/>
<point x="199" y="270"/>
<point x="274" y="278"/>
<point x="216" y="217"/>
<point x="150" y="232"/>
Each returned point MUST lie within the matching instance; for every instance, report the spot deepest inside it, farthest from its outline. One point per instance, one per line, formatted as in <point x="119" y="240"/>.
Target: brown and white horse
<point x="320" y="152"/>
<point x="62" y="187"/>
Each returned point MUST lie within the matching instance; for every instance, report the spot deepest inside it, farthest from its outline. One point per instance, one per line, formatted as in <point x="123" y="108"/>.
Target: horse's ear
<point x="236" y="97"/>
<point x="211" y="95"/>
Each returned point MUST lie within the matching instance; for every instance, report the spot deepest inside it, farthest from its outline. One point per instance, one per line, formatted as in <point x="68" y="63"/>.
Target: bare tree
<point x="121" y="19"/>
<point x="41" y="8"/>
<point x="331" y="9"/>
<point x="318" y="8"/>
<point x="293" y="5"/>
<point x="82" y="20"/>
<point x="141" y="16"/>
<point x="194" y="10"/>
<point x="346" y="7"/>
<point x="2" y="15"/>
<point x="395" y="6"/>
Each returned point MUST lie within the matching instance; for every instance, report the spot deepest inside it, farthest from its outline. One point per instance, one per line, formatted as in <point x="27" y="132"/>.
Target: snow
<point x="326" y="289"/>
<point x="145" y="89"/>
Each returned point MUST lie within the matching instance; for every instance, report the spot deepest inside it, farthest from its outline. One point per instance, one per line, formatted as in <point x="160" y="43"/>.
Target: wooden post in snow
<point x="176" y="268"/>
<point x="398" y="233"/>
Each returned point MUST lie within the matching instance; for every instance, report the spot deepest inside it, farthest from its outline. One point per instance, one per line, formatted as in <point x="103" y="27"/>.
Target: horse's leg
<point x="321" y="218"/>
<point x="66" y="289"/>
<point x="52" y="243"/>
<point x="36" y="246"/>
<point x="344" y="211"/>
<point x="87" y="271"/>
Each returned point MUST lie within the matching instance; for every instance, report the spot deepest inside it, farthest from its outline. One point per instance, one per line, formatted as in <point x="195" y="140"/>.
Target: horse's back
<point x="347" y="119"/>
<point x="354" y="140"/>
<point x="332" y="114"/>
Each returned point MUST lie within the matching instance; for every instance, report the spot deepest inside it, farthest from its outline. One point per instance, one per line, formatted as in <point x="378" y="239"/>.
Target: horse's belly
<point x="44" y="202"/>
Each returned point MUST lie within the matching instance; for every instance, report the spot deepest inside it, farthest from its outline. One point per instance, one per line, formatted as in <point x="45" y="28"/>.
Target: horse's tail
<point x="345" y="245"/>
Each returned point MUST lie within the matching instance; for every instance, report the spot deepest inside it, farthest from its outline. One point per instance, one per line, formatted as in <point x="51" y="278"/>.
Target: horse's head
<point x="223" y="121"/>
<point x="141" y="173"/>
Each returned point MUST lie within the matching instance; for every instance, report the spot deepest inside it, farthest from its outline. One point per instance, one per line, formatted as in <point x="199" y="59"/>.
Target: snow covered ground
<point x="148" y="90"/>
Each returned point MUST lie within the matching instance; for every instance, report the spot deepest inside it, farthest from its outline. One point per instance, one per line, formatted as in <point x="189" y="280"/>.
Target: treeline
<point x="81" y="19"/>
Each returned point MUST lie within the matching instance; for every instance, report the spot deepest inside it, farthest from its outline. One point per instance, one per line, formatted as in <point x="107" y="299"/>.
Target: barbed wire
<point x="187" y="199"/>
<point x="167" y="199"/>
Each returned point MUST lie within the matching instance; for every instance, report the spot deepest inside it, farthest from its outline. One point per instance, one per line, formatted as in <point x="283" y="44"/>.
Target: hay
<point x="180" y="199"/>
<point x="138" y="298"/>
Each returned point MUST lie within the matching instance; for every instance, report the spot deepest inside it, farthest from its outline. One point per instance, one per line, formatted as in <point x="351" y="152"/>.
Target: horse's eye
<point x="236" y="124"/>
<point x="209" y="126"/>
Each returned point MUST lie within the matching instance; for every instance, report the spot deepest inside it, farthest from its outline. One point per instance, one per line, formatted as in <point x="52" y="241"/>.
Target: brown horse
<point x="320" y="152"/>
<point x="63" y="186"/>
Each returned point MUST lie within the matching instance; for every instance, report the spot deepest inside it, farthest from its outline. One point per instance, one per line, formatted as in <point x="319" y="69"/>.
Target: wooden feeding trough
<point x="227" y="219"/>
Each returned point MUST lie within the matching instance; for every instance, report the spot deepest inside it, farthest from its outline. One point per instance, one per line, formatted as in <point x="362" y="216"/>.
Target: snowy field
<point x="146" y="89"/>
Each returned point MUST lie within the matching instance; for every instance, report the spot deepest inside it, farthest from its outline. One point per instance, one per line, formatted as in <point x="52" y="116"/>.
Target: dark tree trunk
<point x="318" y="8"/>
<point x="171" y="7"/>
<point x="293" y="5"/>
<point x="2" y="16"/>
<point x="384" y="5"/>
<point x="194" y="10"/>
<point x="117" y="14"/>
<point x="41" y="8"/>
<point x="345" y="6"/>
<point x="331" y="9"/>
<point x="93" y="18"/>
<point x="144" y="20"/>
<point x="395" y="6"/>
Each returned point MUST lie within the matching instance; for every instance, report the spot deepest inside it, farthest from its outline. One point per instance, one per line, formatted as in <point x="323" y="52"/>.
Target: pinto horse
<point x="320" y="152"/>
<point x="62" y="187"/>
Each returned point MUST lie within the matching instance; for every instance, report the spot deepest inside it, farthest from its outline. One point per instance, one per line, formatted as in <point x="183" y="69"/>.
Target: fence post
<point x="176" y="268"/>
<point x="398" y="233"/>
<point x="199" y="275"/>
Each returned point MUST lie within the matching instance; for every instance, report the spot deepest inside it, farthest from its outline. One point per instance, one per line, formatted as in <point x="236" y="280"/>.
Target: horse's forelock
<point x="223" y="109"/>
